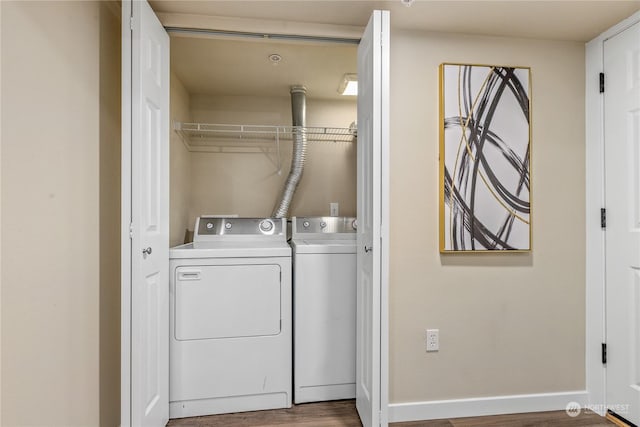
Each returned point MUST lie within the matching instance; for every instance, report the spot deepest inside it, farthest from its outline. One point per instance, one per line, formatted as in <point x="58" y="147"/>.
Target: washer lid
<point x="234" y="249"/>
<point x="326" y="246"/>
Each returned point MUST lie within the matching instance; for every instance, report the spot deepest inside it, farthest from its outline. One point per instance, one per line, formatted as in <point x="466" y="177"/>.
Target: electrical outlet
<point x="433" y="339"/>
<point x="334" y="208"/>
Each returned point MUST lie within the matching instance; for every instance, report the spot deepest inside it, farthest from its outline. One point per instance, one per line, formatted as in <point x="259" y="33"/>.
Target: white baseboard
<point x="475" y="407"/>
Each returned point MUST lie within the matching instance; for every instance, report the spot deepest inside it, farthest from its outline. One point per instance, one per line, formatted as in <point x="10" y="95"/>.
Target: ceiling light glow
<point x="348" y="85"/>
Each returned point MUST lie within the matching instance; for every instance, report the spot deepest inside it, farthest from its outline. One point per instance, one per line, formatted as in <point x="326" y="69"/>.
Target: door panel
<point x="152" y="386"/>
<point x="149" y="169"/>
<point x="148" y="103"/>
<point x="372" y="136"/>
<point x="622" y="176"/>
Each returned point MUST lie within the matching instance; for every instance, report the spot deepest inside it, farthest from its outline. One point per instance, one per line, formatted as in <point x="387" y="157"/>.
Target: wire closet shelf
<point x="198" y="134"/>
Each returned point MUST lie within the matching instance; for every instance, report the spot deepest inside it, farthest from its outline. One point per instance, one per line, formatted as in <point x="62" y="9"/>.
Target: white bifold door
<point x="372" y="238"/>
<point x="622" y="196"/>
<point x="145" y="219"/>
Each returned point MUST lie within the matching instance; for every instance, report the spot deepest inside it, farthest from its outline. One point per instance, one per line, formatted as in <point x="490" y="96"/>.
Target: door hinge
<point x="604" y="353"/>
<point x="601" y="82"/>
<point x="131" y="231"/>
<point x="603" y="218"/>
<point x="131" y="23"/>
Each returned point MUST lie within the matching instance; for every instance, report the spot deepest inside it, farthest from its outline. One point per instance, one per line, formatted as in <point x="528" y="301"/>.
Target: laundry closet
<point x="241" y="169"/>
<point x="232" y="273"/>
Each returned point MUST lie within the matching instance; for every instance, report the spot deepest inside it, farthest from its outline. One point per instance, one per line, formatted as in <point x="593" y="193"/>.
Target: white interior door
<point x="373" y="99"/>
<point x="622" y="193"/>
<point x="146" y="202"/>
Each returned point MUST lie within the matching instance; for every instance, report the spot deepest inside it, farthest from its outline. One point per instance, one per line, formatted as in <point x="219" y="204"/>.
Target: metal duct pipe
<point x="299" y="121"/>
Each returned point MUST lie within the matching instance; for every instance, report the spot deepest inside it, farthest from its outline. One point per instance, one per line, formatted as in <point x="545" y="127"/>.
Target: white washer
<point x="230" y="296"/>
<point x="324" y="282"/>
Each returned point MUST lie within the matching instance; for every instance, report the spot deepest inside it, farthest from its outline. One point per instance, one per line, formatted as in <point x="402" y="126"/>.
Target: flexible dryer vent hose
<point x="299" y="121"/>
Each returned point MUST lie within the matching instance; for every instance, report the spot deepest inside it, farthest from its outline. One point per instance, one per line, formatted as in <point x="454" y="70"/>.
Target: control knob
<point x="266" y="225"/>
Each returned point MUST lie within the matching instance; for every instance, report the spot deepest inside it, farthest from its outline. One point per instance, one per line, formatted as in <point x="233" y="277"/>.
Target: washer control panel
<point x="324" y="225"/>
<point x="209" y="227"/>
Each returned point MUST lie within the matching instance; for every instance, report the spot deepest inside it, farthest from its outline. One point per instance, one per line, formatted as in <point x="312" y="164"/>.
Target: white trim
<point x="234" y="24"/>
<point x="595" y="336"/>
<point x="385" y="219"/>
<point x="595" y="247"/>
<point x="125" y="241"/>
<point x="456" y="408"/>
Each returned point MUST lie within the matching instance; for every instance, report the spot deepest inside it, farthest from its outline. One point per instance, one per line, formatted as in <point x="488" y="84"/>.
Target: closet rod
<point x="244" y="34"/>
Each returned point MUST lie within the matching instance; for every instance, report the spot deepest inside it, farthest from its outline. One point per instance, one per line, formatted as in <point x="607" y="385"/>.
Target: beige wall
<point x="509" y="323"/>
<point x="248" y="184"/>
<point x="180" y="166"/>
<point x="59" y="193"/>
<point x="110" y="136"/>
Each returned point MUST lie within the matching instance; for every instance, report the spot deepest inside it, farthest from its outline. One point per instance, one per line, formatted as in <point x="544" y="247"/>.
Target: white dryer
<point x="324" y="281"/>
<point x="230" y="296"/>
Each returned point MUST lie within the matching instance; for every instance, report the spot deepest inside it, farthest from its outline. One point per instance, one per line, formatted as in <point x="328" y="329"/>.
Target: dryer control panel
<point x="213" y="228"/>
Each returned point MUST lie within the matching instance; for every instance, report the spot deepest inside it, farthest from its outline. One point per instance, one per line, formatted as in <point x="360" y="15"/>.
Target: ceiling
<point x="576" y="20"/>
<point x="240" y="67"/>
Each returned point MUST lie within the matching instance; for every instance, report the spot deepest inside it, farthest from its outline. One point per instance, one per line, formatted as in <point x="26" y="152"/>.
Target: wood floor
<point x="343" y="414"/>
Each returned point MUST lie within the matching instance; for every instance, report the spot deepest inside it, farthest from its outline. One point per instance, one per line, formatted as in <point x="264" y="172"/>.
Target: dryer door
<point x="227" y="301"/>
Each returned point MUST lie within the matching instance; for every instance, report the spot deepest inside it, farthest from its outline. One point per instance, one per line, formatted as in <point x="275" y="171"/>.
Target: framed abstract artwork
<point x="485" y="158"/>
